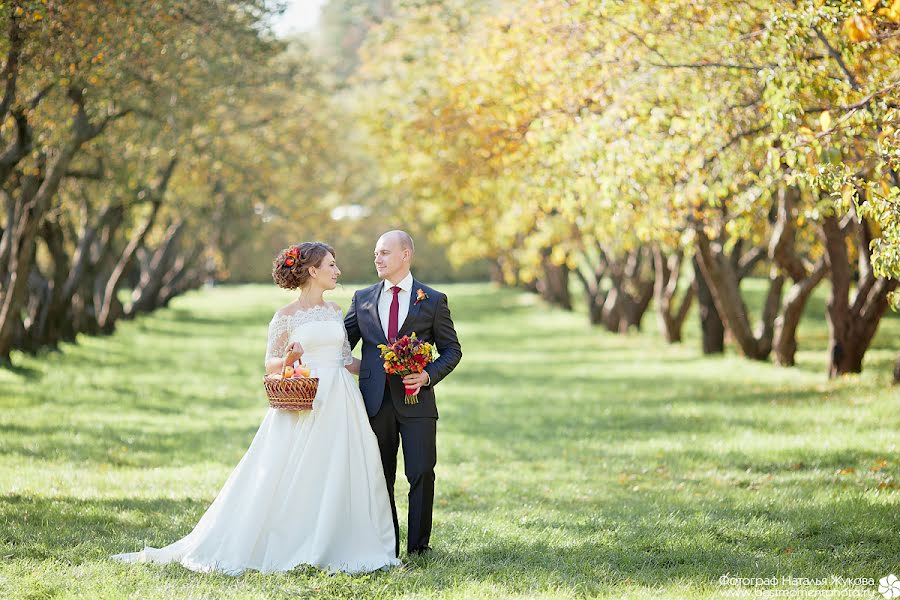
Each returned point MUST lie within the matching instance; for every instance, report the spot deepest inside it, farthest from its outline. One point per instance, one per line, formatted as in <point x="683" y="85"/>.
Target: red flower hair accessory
<point x="291" y="256"/>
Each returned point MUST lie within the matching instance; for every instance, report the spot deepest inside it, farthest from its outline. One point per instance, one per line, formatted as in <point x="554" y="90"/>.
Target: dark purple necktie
<point x="394" y="315"/>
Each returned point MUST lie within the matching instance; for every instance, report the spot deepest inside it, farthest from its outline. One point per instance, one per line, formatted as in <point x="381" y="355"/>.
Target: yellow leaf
<point x="812" y="161"/>
<point x="879" y="465"/>
<point x="38" y="16"/>
<point x="825" y="121"/>
<point x="871" y="4"/>
<point x="885" y="188"/>
<point x="859" y="28"/>
<point x="806" y="131"/>
<point x="847" y="193"/>
<point x="892" y="13"/>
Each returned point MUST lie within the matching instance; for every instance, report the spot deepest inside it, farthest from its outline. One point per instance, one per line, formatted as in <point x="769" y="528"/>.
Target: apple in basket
<point x="297" y="372"/>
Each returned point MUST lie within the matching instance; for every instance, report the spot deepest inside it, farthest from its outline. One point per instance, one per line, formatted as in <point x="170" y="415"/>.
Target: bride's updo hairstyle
<point x="290" y="269"/>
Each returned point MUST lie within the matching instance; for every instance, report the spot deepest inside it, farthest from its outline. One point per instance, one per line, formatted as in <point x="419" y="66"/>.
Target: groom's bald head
<point x="402" y="239"/>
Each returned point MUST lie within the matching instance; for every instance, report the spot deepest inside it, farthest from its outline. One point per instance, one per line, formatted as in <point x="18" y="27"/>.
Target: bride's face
<point x="326" y="274"/>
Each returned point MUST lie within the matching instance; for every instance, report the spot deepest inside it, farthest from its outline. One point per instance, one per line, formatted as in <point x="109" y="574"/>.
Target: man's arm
<point x="351" y="324"/>
<point x="446" y="341"/>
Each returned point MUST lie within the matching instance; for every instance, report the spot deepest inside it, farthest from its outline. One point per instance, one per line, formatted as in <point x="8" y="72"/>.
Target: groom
<point x="400" y="305"/>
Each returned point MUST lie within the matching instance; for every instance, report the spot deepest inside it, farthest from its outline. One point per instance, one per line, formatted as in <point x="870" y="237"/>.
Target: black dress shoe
<point x="419" y="551"/>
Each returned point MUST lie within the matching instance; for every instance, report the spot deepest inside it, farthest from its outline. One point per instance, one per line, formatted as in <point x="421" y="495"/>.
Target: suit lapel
<point x="372" y="309"/>
<point x="413" y="311"/>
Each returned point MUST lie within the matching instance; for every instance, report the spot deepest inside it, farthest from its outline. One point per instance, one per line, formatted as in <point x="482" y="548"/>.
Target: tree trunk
<point x="145" y="297"/>
<point x="669" y="315"/>
<point x="712" y="330"/>
<point x="852" y="326"/>
<point x="630" y="293"/>
<point x="30" y="209"/>
<point x="39" y="293"/>
<point x="724" y="284"/>
<point x="785" y="343"/>
<point x="553" y="285"/>
<point x="109" y="306"/>
<point x="591" y="278"/>
<point x="783" y="253"/>
<point x="185" y="274"/>
<point x="40" y="329"/>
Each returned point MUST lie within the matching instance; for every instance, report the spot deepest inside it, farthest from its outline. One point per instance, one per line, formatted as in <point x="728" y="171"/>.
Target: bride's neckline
<point x="302" y="311"/>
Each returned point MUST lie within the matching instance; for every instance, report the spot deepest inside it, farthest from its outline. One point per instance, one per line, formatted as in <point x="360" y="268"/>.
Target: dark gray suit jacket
<point x="429" y="319"/>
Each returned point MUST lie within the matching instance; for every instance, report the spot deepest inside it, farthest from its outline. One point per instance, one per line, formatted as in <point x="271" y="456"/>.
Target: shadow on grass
<point x="657" y="538"/>
<point x="22" y="371"/>
<point x="77" y="530"/>
<point x="124" y="446"/>
<point x="689" y="541"/>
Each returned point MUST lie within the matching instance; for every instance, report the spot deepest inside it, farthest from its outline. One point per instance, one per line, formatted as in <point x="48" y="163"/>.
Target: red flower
<point x="289" y="262"/>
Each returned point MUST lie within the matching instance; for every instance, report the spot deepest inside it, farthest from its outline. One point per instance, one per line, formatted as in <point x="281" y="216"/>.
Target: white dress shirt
<point x="384" y="302"/>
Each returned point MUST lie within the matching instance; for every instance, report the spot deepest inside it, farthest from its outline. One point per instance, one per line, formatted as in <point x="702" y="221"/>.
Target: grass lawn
<point x="571" y="462"/>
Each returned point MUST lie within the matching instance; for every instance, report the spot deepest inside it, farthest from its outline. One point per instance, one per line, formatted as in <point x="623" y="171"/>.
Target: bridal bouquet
<point x="407" y="355"/>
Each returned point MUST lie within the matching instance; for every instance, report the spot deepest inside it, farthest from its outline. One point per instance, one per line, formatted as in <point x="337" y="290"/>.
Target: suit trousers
<point x="419" y="458"/>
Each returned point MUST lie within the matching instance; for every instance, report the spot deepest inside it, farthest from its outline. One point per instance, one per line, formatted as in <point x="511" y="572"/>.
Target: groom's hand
<point x="416" y="380"/>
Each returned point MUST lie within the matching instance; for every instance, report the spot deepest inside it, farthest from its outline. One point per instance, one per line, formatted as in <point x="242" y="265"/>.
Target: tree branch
<point x="714" y="65"/>
<point x="837" y="58"/>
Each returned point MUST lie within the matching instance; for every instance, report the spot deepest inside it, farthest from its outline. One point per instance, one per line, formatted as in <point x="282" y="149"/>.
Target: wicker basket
<point x="291" y="394"/>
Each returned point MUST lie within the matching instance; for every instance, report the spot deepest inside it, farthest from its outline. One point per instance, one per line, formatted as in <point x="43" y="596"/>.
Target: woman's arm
<point x="278" y="351"/>
<point x="274" y="365"/>
<point x="354" y="366"/>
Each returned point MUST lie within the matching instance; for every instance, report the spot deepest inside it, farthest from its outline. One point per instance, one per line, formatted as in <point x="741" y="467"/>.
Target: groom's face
<point x="391" y="259"/>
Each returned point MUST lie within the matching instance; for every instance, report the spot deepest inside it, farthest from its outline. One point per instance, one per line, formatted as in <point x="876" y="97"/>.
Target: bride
<point x="310" y="490"/>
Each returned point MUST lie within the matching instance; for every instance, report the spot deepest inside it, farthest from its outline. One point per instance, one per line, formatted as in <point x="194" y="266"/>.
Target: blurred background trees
<point x="605" y="142"/>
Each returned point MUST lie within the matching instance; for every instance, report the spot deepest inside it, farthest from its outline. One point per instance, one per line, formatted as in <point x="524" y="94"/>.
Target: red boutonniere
<point x="420" y="295"/>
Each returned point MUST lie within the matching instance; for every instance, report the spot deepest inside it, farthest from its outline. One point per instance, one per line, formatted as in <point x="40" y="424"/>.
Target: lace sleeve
<point x="345" y="351"/>
<point x="279" y="329"/>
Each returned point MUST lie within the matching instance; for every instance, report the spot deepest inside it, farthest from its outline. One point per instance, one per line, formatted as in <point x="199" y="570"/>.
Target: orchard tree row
<point x="655" y="150"/>
<point x="139" y="144"/>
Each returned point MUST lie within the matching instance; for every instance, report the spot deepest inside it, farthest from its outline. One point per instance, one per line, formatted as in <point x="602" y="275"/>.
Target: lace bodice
<point x="320" y="330"/>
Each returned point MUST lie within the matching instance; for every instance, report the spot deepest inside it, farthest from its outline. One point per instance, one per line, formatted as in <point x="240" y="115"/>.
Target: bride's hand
<point x="294" y="352"/>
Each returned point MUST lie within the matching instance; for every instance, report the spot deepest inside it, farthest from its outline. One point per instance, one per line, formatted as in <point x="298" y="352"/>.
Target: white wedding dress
<point x="310" y="490"/>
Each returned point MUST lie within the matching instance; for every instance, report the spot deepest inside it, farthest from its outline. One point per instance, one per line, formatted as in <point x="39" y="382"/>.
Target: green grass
<point x="571" y="462"/>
